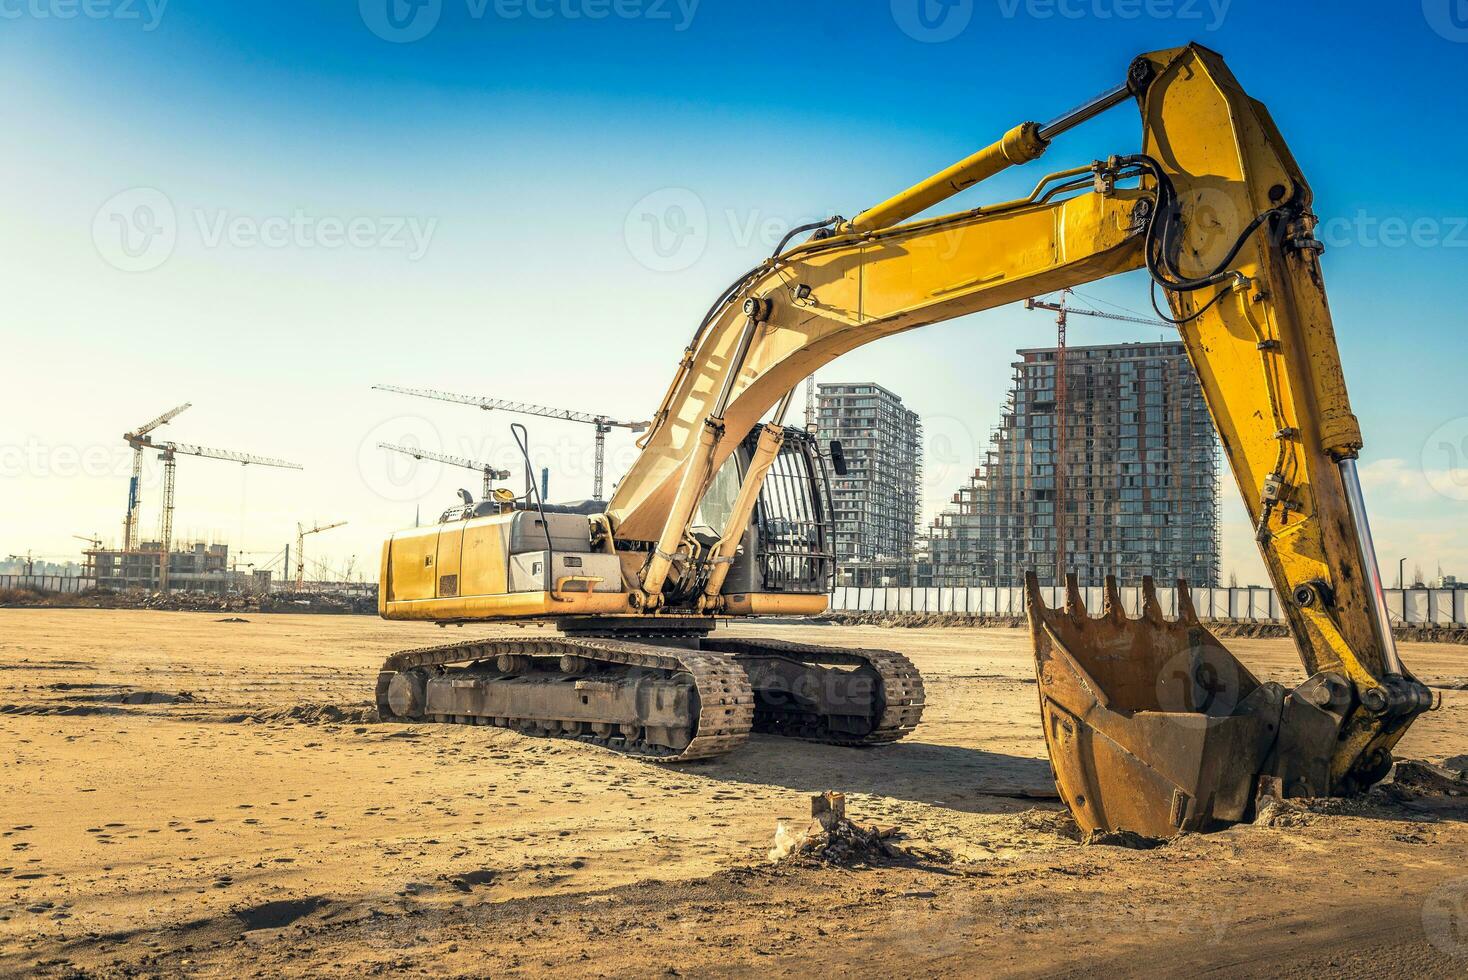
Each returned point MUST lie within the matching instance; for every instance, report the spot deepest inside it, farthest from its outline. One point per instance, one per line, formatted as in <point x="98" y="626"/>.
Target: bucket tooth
<point x="1152" y="725"/>
<point x="1033" y="598"/>
<point x="1151" y="608"/>
<point x="1074" y="604"/>
<point x="1112" y="608"/>
<point x="1186" y="614"/>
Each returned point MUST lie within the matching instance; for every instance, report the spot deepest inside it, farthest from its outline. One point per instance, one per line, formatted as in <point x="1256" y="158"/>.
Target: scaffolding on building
<point x="1141" y="471"/>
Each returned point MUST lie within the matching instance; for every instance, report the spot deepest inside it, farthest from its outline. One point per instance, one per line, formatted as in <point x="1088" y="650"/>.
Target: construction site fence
<point x="1409" y="607"/>
<point x="47" y="583"/>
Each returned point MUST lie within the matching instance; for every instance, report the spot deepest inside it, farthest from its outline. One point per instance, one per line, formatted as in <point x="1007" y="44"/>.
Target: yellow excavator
<point x="1152" y="726"/>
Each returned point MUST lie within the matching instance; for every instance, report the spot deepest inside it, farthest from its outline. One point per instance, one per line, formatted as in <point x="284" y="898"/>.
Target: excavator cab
<point x="786" y="548"/>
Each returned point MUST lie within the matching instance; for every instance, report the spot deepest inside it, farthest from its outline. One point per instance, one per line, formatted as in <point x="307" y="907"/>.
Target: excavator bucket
<point x="1152" y="725"/>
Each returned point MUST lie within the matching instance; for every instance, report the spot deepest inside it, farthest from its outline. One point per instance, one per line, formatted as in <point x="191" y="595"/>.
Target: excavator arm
<point x="1152" y="726"/>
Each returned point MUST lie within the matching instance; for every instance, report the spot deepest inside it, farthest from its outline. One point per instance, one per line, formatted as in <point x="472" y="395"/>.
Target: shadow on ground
<point x="953" y="776"/>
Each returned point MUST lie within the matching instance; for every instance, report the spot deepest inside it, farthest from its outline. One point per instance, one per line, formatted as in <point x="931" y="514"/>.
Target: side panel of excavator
<point x="521" y="563"/>
<point x="499" y="566"/>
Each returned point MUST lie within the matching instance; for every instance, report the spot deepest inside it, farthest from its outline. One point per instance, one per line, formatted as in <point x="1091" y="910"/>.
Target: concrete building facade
<point x="1141" y="470"/>
<point x="875" y="504"/>
<point x="198" y="567"/>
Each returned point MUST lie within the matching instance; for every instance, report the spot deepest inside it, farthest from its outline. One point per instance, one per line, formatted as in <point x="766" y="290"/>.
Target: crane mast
<point x="138" y="440"/>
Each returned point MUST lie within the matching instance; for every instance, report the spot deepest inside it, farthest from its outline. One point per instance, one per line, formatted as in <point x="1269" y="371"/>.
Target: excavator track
<point x="834" y="695"/>
<point x="724" y="702"/>
<point x="896" y="702"/>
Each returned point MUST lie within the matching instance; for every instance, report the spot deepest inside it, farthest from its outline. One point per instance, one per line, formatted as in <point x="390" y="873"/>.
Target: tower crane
<point x="602" y="423"/>
<point x="301" y="533"/>
<point x="1062" y="310"/>
<point x="168" y="454"/>
<point x="94" y="545"/>
<point x="490" y="473"/>
<point x="1062" y="307"/>
<point x="139" y="440"/>
<point x="28" y="562"/>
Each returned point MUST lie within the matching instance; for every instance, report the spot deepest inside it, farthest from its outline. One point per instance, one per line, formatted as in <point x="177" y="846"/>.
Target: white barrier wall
<point x="1411" y="607"/>
<point x="47" y="583"/>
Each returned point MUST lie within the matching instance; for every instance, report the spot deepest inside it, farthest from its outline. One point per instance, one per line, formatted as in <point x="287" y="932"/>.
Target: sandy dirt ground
<point x="174" y="802"/>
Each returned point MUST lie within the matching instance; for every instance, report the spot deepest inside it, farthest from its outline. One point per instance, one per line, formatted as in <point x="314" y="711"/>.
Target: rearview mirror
<point x="838" y="457"/>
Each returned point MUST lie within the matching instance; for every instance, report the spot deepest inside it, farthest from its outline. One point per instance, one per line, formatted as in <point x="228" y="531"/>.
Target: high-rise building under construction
<point x="1140" y="476"/>
<point x="875" y="504"/>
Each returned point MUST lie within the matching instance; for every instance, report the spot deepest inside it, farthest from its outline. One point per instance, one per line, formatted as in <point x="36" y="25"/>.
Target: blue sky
<point x="498" y="169"/>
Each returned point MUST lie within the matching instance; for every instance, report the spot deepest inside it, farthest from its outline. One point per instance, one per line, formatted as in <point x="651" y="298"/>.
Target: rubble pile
<point x="1412" y="779"/>
<point x="919" y="620"/>
<point x="830" y="838"/>
<point x="192" y="602"/>
<point x="336" y="603"/>
<point x="1414" y="785"/>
